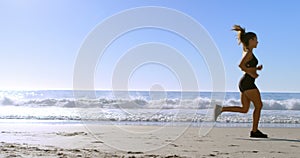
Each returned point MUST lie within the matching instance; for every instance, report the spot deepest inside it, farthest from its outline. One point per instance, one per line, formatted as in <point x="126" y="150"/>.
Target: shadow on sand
<point x="271" y="139"/>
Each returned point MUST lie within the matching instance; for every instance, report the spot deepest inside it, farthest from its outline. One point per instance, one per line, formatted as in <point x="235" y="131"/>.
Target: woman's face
<point x="253" y="42"/>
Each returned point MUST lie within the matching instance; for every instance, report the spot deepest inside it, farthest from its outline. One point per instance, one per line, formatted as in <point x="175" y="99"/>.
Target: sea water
<point x="143" y="108"/>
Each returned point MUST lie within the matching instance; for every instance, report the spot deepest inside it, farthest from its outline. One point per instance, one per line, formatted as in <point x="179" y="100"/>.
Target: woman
<point x="249" y="91"/>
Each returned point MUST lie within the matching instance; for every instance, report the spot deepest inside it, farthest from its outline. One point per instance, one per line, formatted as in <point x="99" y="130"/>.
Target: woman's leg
<point x="245" y="105"/>
<point x="254" y="96"/>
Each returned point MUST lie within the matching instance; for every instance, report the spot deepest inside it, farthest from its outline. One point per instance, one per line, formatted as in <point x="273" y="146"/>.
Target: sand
<point x="77" y="140"/>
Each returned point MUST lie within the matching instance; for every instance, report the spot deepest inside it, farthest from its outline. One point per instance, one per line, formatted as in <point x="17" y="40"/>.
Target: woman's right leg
<point x="245" y="105"/>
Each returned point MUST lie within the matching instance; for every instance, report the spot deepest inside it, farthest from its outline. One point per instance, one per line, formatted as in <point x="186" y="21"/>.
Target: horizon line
<point x="140" y="90"/>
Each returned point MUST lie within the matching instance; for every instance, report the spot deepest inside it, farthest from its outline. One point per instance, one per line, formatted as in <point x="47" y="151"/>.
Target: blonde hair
<point x="243" y="36"/>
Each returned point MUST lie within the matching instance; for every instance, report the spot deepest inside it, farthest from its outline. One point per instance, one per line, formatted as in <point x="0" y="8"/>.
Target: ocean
<point x="142" y="108"/>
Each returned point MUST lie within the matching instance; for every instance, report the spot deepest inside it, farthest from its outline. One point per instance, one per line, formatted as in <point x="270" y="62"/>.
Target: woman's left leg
<point x="254" y="96"/>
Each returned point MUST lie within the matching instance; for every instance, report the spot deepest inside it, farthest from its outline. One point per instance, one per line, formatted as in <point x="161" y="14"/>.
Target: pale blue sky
<point x="39" y="42"/>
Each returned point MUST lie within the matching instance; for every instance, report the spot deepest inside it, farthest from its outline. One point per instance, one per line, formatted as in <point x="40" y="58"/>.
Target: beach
<point x="51" y="124"/>
<point x="96" y="140"/>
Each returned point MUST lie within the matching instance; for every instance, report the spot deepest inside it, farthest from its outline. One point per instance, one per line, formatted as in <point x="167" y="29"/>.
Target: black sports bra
<point x="252" y="63"/>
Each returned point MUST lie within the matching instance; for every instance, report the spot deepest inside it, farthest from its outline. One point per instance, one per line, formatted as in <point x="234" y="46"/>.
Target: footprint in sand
<point x="71" y="134"/>
<point x="233" y="145"/>
<point x="134" y="152"/>
<point x="98" y="141"/>
<point x="295" y="146"/>
<point x="174" y="145"/>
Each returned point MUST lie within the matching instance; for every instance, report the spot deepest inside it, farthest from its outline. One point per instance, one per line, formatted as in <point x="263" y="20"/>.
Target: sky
<point x="40" y="42"/>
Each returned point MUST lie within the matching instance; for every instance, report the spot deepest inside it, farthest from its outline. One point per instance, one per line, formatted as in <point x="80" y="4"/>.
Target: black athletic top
<point x="247" y="82"/>
<point x="253" y="62"/>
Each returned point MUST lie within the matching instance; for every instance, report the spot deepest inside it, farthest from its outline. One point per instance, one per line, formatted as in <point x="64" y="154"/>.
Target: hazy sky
<point x="40" y="41"/>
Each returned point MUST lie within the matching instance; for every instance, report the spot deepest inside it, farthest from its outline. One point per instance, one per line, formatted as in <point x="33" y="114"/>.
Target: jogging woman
<point x="248" y="89"/>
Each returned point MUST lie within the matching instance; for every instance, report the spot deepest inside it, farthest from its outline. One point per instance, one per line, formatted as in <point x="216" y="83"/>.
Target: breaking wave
<point x="141" y="103"/>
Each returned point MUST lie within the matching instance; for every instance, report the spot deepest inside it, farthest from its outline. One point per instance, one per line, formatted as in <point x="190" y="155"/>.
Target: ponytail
<point x="241" y="32"/>
<point x="243" y="36"/>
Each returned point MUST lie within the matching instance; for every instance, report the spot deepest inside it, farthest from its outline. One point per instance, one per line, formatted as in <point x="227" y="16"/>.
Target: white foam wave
<point x="142" y="115"/>
<point x="142" y="103"/>
<point x="289" y="104"/>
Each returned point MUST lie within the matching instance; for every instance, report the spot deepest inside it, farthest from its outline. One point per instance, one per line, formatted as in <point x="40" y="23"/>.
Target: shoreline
<point x="149" y="123"/>
<point x="75" y="140"/>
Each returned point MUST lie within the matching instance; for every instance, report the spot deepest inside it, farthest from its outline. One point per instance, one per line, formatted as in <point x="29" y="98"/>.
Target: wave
<point x="142" y="103"/>
<point x="140" y="115"/>
<point x="201" y="103"/>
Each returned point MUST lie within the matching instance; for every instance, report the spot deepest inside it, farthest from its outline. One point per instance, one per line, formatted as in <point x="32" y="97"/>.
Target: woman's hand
<point x="259" y="67"/>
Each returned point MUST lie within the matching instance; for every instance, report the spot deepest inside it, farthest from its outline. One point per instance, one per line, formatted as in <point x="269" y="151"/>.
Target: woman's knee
<point x="258" y="105"/>
<point x="244" y="110"/>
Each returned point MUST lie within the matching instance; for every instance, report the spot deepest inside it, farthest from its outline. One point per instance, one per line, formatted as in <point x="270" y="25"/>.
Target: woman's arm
<point x="252" y="70"/>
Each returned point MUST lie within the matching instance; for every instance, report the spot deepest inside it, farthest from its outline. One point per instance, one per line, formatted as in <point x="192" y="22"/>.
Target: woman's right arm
<point x="252" y="70"/>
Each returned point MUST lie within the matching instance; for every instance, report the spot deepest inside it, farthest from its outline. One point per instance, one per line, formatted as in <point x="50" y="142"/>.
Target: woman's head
<point x="248" y="39"/>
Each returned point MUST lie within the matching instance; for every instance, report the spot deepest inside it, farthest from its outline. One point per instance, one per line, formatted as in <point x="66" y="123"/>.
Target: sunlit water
<point x="142" y="108"/>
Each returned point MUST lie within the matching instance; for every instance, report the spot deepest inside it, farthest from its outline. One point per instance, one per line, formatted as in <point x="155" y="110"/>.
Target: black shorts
<point x="246" y="83"/>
